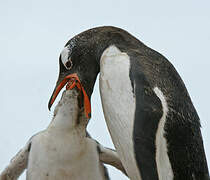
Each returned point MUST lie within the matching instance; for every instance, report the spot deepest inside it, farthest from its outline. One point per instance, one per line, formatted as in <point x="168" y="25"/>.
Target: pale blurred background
<point x="33" y="32"/>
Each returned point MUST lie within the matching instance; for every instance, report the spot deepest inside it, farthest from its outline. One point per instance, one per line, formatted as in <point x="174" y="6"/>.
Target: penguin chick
<point x="64" y="150"/>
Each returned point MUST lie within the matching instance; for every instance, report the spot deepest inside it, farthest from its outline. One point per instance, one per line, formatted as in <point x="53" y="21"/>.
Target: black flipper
<point x="147" y="116"/>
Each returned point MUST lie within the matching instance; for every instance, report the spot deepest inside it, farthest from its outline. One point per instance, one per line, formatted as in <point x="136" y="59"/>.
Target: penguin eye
<point x="68" y="64"/>
<point x="65" y="58"/>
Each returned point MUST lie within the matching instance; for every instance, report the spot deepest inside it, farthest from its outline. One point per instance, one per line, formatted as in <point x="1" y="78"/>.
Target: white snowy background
<point x="33" y="32"/>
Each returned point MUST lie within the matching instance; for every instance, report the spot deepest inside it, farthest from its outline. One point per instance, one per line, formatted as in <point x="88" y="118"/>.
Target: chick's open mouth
<point x="74" y="84"/>
<point x="72" y="81"/>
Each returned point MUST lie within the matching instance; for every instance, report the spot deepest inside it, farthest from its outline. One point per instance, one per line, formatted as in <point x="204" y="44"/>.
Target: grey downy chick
<point x="64" y="150"/>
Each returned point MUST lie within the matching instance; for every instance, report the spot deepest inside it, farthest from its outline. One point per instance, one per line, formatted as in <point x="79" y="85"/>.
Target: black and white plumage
<point x="152" y="121"/>
<point x="64" y="150"/>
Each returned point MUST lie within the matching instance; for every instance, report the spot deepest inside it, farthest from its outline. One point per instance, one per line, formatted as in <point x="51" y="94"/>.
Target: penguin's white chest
<point x="61" y="156"/>
<point x="118" y="103"/>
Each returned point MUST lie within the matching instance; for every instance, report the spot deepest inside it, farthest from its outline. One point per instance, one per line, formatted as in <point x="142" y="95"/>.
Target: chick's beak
<point x="74" y="81"/>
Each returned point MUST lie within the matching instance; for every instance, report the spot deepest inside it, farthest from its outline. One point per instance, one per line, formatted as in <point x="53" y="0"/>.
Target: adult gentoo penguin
<point x="152" y="121"/>
<point x="63" y="151"/>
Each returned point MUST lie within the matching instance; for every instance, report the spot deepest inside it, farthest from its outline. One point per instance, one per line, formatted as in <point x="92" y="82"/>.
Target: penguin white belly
<point x="59" y="156"/>
<point x="118" y="103"/>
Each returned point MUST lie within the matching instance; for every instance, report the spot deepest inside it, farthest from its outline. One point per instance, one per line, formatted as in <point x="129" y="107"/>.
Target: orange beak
<point x="77" y="83"/>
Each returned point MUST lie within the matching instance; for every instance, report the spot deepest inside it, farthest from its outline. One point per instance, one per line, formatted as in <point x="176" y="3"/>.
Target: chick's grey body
<point x="64" y="150"/>
<point x="152" y="121"/>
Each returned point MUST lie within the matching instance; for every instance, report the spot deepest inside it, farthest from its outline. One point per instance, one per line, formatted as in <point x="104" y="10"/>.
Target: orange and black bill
<point x="77" y="83"/>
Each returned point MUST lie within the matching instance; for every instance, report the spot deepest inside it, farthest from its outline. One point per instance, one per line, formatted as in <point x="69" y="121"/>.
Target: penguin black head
<point x="80" y="59"/>
<point x="77" y="62"/>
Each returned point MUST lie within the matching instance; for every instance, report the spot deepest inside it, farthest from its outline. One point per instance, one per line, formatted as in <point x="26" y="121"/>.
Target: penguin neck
<point x="68" y="119"/>
<point x="95" y="41"/>
<point x="121" y="39"/>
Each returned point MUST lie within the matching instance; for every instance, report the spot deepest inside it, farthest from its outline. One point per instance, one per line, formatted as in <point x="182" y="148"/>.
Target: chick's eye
<point x="68" y="64"/>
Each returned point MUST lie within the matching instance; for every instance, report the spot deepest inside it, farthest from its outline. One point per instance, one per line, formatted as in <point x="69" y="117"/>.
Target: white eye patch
<point x="65" y="58"/>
